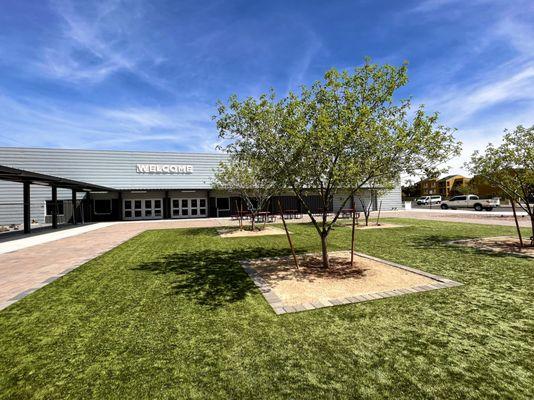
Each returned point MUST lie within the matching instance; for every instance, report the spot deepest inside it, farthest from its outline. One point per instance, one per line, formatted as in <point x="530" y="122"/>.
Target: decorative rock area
<point x="499" y="244"/>
<point x="399" y="280"/>
<point x="233" y="232"/>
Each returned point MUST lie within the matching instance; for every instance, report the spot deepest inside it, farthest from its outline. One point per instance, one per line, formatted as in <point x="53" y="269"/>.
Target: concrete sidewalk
<point x="13" y="242"/>
<point x="463" y="216"/>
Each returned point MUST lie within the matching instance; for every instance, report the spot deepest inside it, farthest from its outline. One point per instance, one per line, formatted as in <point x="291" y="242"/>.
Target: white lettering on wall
<point x="164" y="169"/>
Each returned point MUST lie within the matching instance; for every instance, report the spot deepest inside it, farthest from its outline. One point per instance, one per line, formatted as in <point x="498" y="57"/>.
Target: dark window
<point x="194" y="203"/>
<point x="49" y="205"/>
<point x="223" y="203"/>
<point x="157" y="203"/>
<point x="202" y="202"/>
<point x="102" y="206"/>
<point x="148" y="203"/>
<point x="128" y="204"/>
<point x="175" y="204"/>
<point x="128" y="214"/>
<point x="461" y="198"/>
<point x="137" y="204"/>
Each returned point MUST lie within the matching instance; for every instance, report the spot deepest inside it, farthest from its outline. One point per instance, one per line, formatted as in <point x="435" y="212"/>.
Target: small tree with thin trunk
<point x="510" y="167"/>
<point x="334" y="137"/>
<point x="374" y="189"/>
<point x="245" y="179"/>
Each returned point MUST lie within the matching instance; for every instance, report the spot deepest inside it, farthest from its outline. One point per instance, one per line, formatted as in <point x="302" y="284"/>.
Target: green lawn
<point x="171" y="314"/>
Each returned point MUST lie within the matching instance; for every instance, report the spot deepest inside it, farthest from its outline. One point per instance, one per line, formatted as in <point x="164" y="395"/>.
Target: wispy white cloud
<point x="501" y="94"/>
<point x="34" y="121"/>
<point x="427" y="6"/>
<point x="298" y="73"/>
<point x="458" y="103"/>
<point x="97" y="42"/>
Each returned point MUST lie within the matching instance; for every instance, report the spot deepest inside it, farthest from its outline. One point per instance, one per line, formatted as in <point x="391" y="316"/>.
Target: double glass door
<point x="189" y="208"/>
<point x="142" y="209"/>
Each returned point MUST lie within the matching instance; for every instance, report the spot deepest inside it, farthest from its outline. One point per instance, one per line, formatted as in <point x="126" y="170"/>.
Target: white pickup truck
<point x="470" y="201"/>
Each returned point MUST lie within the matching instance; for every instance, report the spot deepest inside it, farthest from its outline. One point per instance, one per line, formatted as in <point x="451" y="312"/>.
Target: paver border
<point x="279" y="308"/>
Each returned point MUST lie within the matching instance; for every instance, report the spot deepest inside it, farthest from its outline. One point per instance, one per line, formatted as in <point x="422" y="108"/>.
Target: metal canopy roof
<point x="20" y="175"/>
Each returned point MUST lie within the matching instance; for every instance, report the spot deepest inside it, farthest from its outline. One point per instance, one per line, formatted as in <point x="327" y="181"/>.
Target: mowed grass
<point x="171" y="314"/>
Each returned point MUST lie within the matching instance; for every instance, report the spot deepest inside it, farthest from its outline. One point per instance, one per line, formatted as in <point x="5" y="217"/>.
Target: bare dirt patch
<point x="500" y="244"/>
<point x="372" y="225"/>
<point x="233" y="232"/>
<point x="311" y="283"/>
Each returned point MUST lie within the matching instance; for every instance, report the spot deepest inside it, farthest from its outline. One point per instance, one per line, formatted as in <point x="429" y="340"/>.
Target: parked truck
<point x="470" y="201"/>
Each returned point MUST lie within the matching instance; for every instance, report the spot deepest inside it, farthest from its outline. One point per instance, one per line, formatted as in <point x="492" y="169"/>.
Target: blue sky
<point x="139" y="75"/>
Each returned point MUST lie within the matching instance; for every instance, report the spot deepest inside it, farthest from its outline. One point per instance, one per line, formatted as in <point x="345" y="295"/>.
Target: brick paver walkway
<point x="26" y="270"/>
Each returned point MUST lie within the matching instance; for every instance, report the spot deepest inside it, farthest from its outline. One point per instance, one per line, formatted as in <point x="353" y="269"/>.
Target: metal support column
<point x="89" y="207"/>
<point x="74" y="206"/>
<point x="54" y="206"/>
<point x="120" y="216"/>
<point x="166" y="206"/>
<point x="27" y="208"/>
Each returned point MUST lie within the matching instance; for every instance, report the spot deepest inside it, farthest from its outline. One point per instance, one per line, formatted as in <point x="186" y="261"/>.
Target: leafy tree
<point x="244" y="178"/>
<point x="510" y="167"/>
<point x="410" y="189"/>
<point x="335" y="136"/>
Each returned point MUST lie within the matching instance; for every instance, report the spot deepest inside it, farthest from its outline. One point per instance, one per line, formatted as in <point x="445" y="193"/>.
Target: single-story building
<point x="138" y="185"/>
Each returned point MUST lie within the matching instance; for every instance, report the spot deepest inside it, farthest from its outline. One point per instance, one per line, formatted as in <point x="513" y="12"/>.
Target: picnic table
<point x="265" y="216"/>
<point x="293" y="214"/>
<point x="347" y="213"/>
<point x="245" y="214"/>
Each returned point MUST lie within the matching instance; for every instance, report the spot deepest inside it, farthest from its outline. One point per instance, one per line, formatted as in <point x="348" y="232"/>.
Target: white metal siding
<point x="115" y="169"/>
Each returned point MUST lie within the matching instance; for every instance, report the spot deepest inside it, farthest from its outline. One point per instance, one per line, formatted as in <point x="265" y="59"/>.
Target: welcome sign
<point x="164" y="169"/>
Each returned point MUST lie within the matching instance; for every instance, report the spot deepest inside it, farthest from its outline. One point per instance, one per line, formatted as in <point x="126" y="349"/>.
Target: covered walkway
<point x="27" y="178"/>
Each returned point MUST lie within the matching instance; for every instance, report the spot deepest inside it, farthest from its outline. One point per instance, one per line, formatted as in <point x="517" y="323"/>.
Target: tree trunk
<point x="288" y="235"/>
<point x="532" y="224"/>
<point x="366" y="211"/>
<point x="241" y="214"/>
<point x="353" y="232"/>
<point x="517" y="224"/>
<point x="378" y="218"/>
<point x="324" y="248"/>
<point x="253" y="217"/>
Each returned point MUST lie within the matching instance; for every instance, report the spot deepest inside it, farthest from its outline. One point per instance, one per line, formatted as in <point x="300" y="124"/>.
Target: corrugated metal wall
<point x="11" y="202"/>
<point x="116" y="169"/>
<point x="390" y="201"/>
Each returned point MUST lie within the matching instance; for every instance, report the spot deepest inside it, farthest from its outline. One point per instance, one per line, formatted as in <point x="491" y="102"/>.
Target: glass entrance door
<point x="189" y="208"/>
<point x="142" y="209"/>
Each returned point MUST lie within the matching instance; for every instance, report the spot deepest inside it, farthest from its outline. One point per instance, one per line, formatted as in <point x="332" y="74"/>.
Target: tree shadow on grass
<point x="454" y="243"/>
<point x="211" y="278"/>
